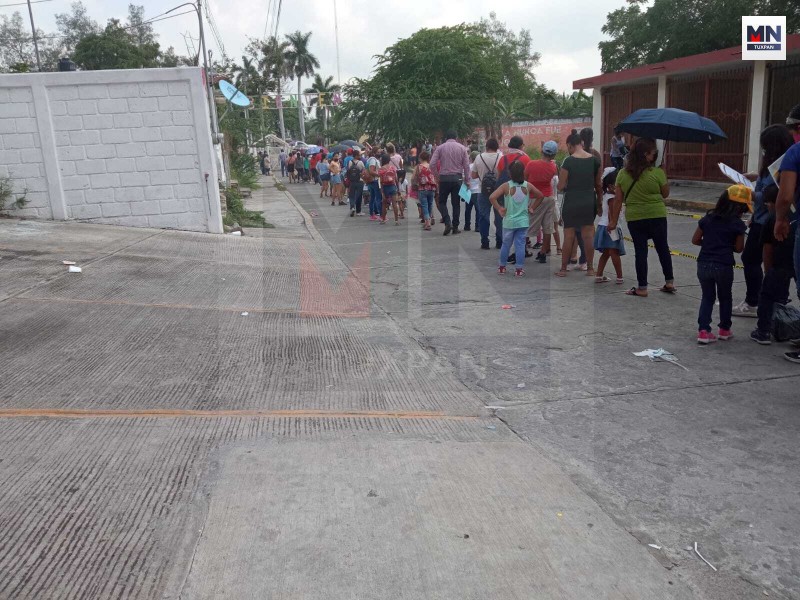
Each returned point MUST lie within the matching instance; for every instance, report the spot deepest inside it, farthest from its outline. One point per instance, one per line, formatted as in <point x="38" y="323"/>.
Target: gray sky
<point x="566" y="37"/>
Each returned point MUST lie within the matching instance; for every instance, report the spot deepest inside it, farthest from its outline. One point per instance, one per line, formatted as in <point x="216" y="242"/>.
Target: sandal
<point x="561" y="273"/>
<point x="635" y="292"/>
<point x="620" y="281"/>
<point x="668" y="289"/>
<point x="601" y="279"/>
<point x="558" y="251"/>
<point x="590" y="272"/>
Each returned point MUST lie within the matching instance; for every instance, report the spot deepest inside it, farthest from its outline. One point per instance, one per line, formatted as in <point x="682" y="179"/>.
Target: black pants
<point x="451" y="189"/>
<point x="641" y="232"/>
<point x="774" y="288"/>
<point x="355" y="195"/>
<point x="751" y="259"/>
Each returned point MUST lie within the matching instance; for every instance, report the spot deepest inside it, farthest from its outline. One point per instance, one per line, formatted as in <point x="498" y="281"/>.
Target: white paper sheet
<point x="735" y="176"/>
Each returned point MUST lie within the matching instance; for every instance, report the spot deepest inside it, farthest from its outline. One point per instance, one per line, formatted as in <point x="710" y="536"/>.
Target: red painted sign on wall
<point x="536" y="133"/>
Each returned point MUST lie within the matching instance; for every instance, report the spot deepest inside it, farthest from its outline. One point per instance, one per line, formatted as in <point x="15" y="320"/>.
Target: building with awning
<point x="742" y="97"/>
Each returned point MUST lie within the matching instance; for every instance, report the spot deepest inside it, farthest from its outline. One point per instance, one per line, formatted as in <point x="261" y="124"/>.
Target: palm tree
<point x="302" y="64"/>
<point x="274" y="66"/>
<point x="326" y="88"/>
<point x="248" y="78"/>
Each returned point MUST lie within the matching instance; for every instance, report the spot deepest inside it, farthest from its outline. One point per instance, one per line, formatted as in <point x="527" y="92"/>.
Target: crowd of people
<point x="519" y="196"/>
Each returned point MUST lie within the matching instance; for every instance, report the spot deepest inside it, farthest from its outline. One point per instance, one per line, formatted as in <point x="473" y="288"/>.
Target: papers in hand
<point x="735" y="176"/>
<point x="465" y="194"/>
<point x="774" y="168"/>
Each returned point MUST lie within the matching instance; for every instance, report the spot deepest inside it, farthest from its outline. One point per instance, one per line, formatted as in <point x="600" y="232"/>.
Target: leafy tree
<point x="326" y="88"/>
<point x="437" y="79"/>
<point x="668" y="29"/>
<point x="142" y="34"/>
<point x="114" y="49"/>
<point x="274" y="68"/>
<point x="302" y="63"/>
<point x="74" y="26"/>
<point x="16" y="44"/>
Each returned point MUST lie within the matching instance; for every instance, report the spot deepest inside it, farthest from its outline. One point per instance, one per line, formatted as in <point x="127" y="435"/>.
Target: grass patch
<point x="237" y="213"/>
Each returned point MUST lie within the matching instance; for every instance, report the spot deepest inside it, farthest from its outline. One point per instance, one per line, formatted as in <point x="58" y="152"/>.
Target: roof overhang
<point x="717" y="60"/>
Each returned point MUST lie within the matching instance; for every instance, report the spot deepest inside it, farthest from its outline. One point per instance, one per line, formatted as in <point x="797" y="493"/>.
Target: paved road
<point x="200" y="416"/>
<point x="673" y="456"/>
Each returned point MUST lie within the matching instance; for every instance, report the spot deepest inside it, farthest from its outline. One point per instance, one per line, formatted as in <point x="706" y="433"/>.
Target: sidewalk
<point x="694" y="195"/>
<point x="159" y="442"/>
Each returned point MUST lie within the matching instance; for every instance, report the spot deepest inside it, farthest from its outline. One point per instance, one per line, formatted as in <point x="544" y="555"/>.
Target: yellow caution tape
<point x="675" y="252"/>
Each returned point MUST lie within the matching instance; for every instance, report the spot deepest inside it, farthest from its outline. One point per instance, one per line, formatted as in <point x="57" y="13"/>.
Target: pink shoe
<point x="724" y="334"/>
<point x="519" y="273"/>
<point x="705" y="337"/>
<point x="501" y="270"/>
<point x="373" y="217"/>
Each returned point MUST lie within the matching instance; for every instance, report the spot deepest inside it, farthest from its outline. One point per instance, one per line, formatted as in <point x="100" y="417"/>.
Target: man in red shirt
<point x="513" y="155"/>
<point x="540" y="173"/>
<point x="313" y="165"/>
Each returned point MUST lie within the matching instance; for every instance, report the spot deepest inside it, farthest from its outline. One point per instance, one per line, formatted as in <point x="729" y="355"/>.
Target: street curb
<point x="695" y="205"/>
<point x="308" y="221"/>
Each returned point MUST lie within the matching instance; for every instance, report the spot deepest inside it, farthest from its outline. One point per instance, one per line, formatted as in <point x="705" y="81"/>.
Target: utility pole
<point x="35" y="41"/>
<point x="336" y="31"/>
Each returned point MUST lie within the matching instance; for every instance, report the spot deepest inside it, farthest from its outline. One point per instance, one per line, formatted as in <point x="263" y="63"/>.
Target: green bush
<point x="536" y="154"/>
<point x="237" y="213"/>
<point x="7" y="195"/>
<point x="245" y="170"/>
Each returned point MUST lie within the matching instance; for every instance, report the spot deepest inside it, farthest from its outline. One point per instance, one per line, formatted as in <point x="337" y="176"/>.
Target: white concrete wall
<point x="119" y="147"/>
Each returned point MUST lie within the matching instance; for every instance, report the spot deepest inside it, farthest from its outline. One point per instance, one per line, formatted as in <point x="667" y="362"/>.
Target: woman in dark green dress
<point x="580" y="180"/>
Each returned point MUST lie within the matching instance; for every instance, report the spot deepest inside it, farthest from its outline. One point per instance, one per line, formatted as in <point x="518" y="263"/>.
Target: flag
<point x="337" y="99"/>
<point x="265" y="102"/>
<point x="322" y="99"/>
<point x="278" y="101"/>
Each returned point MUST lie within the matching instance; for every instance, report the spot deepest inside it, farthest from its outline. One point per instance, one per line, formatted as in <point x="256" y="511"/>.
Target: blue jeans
<point x="468" y="207"/>
<point x="716" y="280"/>
<point x="797" y="261"/>
<point x="485" y="211"/>
<point x="375" y="198"/>
<point x="426" y="201"/>
<point x="751" y="260"/>
<point x="515" y="237"/>
<point x="355" y="194"/>
<point x="774" y="288"/>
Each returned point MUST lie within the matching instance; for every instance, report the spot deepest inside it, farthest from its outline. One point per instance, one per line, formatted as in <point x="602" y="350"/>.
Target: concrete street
<point x="375" y="425"/>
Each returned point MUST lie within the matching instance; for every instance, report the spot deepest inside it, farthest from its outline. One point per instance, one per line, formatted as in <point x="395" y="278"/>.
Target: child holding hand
<point x="609" y="243"/>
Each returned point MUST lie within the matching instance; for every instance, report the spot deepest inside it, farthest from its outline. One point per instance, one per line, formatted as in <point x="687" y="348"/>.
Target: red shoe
<point x="519" y="272"/>
<point x="724" y="334"/>
<point x="501" y="270"/>
<point x="705" y="337"/>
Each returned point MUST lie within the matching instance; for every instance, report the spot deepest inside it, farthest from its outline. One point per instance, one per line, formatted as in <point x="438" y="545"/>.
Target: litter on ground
<point x="696" y="551"/>
<point x="661" y="355"/>
<point x="244" y="314"/>
<point x="68" y="262"/>
<point x="74" y="269"/>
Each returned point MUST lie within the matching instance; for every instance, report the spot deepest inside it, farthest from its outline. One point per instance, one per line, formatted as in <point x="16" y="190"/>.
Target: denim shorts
<point x="325" y="177"/>
<point x="336" y="179"/>
<point x="390" y="190"/>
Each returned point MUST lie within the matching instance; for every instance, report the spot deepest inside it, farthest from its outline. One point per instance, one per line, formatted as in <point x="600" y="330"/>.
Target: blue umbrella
<point x="672" y="124"/>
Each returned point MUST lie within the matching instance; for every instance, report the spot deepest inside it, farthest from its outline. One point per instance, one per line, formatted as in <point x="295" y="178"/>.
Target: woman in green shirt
<point x="642" y="187"/>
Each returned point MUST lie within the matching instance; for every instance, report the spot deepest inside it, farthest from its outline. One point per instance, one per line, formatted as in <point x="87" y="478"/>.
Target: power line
<point x="24" y="3"/>
<point x="266" y="23"/>
<point x="278" y="18"/>
<point x="153" y="20"/>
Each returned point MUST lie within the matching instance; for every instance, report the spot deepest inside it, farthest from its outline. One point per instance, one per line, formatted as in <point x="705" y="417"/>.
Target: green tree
<point x="326" y="88"/>
<point x="74" y="26"/>
<point x="641" y="34"/>
<point x="113" y="49"/>
<point x="302" y="63"/>
<point x="16" y="44"/>
<point x="435" y="80"/>
<point x="275" y="68"/>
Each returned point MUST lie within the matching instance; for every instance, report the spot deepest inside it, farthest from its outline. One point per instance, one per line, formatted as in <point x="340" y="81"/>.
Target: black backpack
<point x="353" y="173"/>
<point x="489" y="181"/>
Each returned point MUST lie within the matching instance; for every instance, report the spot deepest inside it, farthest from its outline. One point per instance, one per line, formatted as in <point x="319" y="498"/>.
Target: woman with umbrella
<point x="642" y="187"/>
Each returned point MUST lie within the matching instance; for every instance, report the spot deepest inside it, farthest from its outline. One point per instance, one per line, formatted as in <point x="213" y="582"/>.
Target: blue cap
<point x="550" y="148"/>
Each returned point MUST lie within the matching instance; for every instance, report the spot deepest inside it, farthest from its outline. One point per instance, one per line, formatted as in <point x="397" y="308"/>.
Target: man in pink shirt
<point x="450" y="166"/>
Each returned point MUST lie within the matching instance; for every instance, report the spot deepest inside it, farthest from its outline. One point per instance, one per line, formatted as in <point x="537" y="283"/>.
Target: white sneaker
<point x="745" y="310"/>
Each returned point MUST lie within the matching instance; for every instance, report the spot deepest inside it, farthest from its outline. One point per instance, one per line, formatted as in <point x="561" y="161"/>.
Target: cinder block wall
<point x="118" y="147"/>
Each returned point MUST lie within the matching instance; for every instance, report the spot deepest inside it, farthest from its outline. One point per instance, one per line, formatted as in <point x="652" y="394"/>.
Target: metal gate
<point x="784" y="90"/>
<point x="723" y="97"/>
<point x="618" y="103"/>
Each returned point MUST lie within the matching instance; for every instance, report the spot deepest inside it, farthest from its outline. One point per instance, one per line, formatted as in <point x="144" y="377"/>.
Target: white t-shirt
<point x="397" y="161"/>
<point x="405" y="186"/>
<point x="487" y="161"/>
<point x="373" y="162"/>
<point x="604" y="219"/>
<point x="474" y="183"/>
